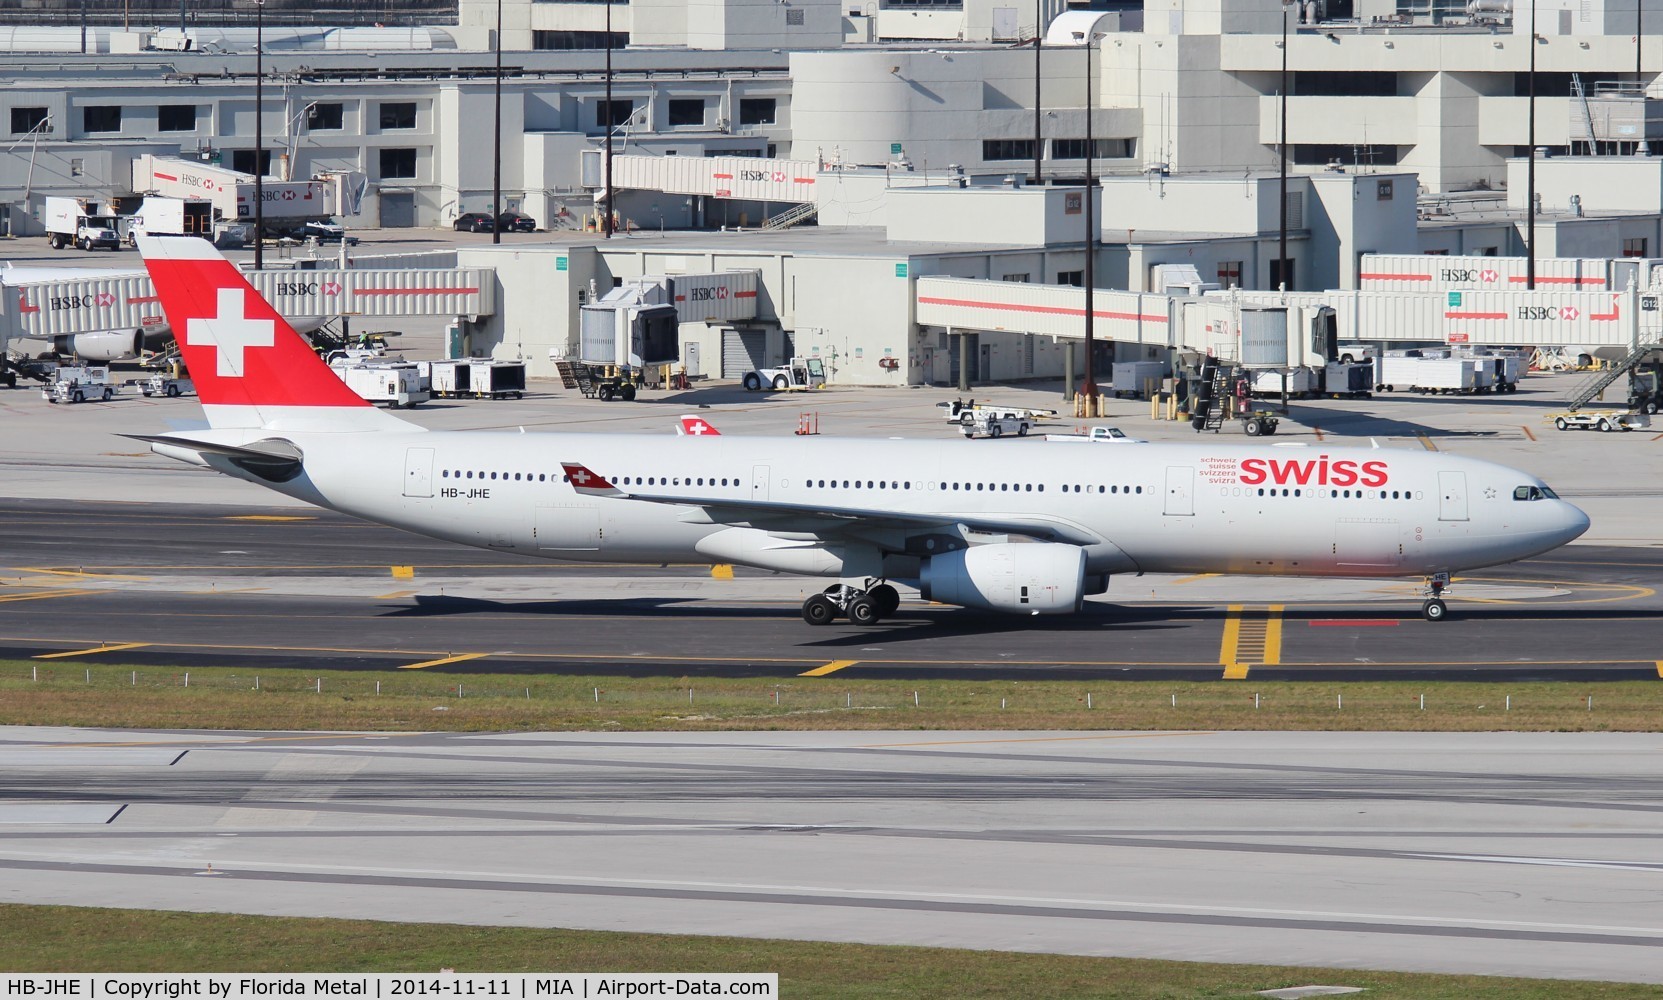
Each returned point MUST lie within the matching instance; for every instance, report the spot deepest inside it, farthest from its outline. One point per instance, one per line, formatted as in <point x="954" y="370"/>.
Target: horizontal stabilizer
<point x="273" y="458"/>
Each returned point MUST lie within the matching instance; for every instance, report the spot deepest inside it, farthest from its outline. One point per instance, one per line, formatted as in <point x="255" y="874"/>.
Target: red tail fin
<point x="250" y="367"/>
<point x="694" y="426"/>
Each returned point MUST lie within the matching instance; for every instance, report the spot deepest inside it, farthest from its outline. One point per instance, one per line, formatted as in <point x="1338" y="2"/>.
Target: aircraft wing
<point x="822" y="518"/>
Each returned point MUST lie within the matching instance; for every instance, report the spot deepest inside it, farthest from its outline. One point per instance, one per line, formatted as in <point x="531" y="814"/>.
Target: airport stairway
<point x="1597" y="384"/>
<point x="792" y="216"/>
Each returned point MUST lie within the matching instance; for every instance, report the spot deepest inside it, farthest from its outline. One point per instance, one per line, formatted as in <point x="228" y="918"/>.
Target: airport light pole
<point x="1039" y="143"/>
<point x="1282" y="163"/>
<point x="496" y="160"/>
<point x="1090" y="389"/>
<point x="259" y="134"/>
<point x="1530" y="168"/>
<point x="606" y="214"/>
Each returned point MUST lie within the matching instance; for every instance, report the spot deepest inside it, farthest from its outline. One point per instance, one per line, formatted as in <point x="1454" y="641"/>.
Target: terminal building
<point x="901" y="139"/>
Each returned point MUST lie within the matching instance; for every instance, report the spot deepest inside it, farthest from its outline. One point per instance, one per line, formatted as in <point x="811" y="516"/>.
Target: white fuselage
<point x="1273" y="510"/>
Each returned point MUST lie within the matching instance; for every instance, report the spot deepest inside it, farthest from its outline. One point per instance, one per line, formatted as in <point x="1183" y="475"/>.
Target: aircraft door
<point x="418" y="472"/>
<point x="759" y="482"/>
<point x="1452" y="496"/>
<point x="1180" y="491"/>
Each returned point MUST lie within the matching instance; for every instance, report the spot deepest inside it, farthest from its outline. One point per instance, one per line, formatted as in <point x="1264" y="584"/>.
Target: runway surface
<point x="1507" y="854"/>
<point x="200" y="585"/>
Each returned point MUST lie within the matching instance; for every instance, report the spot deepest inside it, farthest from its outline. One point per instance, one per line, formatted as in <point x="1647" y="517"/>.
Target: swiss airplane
<point x="1030" y="529"/>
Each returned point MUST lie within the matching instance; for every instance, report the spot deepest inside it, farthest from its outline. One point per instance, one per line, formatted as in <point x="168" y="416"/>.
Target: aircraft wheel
<point x="819" y="610"/>
<point x="628" y="393"/>
<point x="781" y="382"/>
<point x="1434" y="610"/>
<point x="753" y="382"/>
<point x="863" y="611"/>
<point x="1560" y="423"/>
<point x="887" y="598"/>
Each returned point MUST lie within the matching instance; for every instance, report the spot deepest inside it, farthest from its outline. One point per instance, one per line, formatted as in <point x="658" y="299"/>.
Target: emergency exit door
<point x="1180" y="491"/>
<point x="418" y="472"/>
<point x="1452" y="496"/>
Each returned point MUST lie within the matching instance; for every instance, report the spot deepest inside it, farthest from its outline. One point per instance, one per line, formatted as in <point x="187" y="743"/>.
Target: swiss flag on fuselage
<point x="238" y="349"/>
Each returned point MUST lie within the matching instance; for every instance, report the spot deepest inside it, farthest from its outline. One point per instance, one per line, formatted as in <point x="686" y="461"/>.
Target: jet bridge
<point x="48" y="309"/>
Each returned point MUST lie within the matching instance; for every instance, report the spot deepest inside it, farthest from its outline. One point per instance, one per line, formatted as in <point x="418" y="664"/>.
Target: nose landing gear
<point x="862" y="606"/>
<point x="1434" y="609"/>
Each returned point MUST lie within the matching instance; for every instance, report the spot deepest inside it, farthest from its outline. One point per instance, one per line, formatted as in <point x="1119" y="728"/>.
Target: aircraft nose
<point x="1572" y="522"/>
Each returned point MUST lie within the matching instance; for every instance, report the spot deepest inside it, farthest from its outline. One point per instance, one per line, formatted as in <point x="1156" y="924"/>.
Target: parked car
<point x="516" y="222"/>
<point x="474" y="222"/>
<point x="328" y="231"/>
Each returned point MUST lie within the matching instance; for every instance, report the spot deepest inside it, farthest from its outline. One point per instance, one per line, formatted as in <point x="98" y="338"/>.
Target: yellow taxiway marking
<point x="830" y="668"/>
<point x="76" y="574"/>
<point x="45" y="595"/>
<point x="89" y="652"/>
<point x="1198" y="576"/>
<point x="1426" y="442"/>
<point x="1250" y="640"/>
<point x="458" y="658"/>
<point x="396" y="593"/>
<point x="1041" y="739"/>
<point x="268" y="517"/>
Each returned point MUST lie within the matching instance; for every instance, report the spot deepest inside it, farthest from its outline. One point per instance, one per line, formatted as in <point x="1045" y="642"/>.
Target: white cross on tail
<point x="231" y="332"/>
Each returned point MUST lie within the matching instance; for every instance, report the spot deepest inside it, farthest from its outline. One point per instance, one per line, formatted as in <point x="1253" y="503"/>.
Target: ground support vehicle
<point x="79" y="383"/>
<point x="1112" y="435"/>
<point x="398" y="384"/>
<point x="166" y="385"/>
<point x="73" y="222"/>
<point x="991" y="423"/>
<point x="968" y="413"/>
<point x="1600" y="420"/>
<point x="800" y="373"/>
<point x="1341" y="380"/>
<point x="1259" y="422"/>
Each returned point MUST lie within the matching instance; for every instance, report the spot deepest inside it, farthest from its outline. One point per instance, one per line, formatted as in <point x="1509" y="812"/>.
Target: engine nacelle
<point x="106" y="345"/>
<point x="1043" y="578"/>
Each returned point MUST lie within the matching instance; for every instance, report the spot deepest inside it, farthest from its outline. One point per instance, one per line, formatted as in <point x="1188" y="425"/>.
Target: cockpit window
<point x="1534" y="493"/>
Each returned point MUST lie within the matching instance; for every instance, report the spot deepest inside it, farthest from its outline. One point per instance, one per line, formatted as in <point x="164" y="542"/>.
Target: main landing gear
<point x="861" y="607"/>
<point x="1435" y="609"/>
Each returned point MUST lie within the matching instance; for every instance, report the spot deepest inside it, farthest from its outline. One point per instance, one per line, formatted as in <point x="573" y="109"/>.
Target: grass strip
<point x="81" y="939"/>
<point x="61" y="693"/>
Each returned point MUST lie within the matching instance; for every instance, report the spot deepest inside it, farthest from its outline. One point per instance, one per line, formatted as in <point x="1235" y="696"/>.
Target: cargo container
<point x="1412" y="372"/>
<point x="478" y="379"/>
<point x="394" y="384"/>
<point x="1353" y="380"/>
<point x="1301" y="382"/>
<point x="1138" y="379"/>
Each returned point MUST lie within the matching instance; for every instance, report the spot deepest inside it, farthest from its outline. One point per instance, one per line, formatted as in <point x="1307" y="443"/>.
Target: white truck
<point x="77" y="222"/>
<point x="79" y="383"/>
<point x="1600" y="420"/>
<point x="398" y="384"/>
<point x="158" y="216"/>
<point x="161" y="384"/>
<point x="993" y="420"/>
<point x="800" y="373"/>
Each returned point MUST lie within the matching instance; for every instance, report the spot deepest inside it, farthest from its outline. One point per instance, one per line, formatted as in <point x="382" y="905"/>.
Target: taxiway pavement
<point x="1499" y="854"/>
